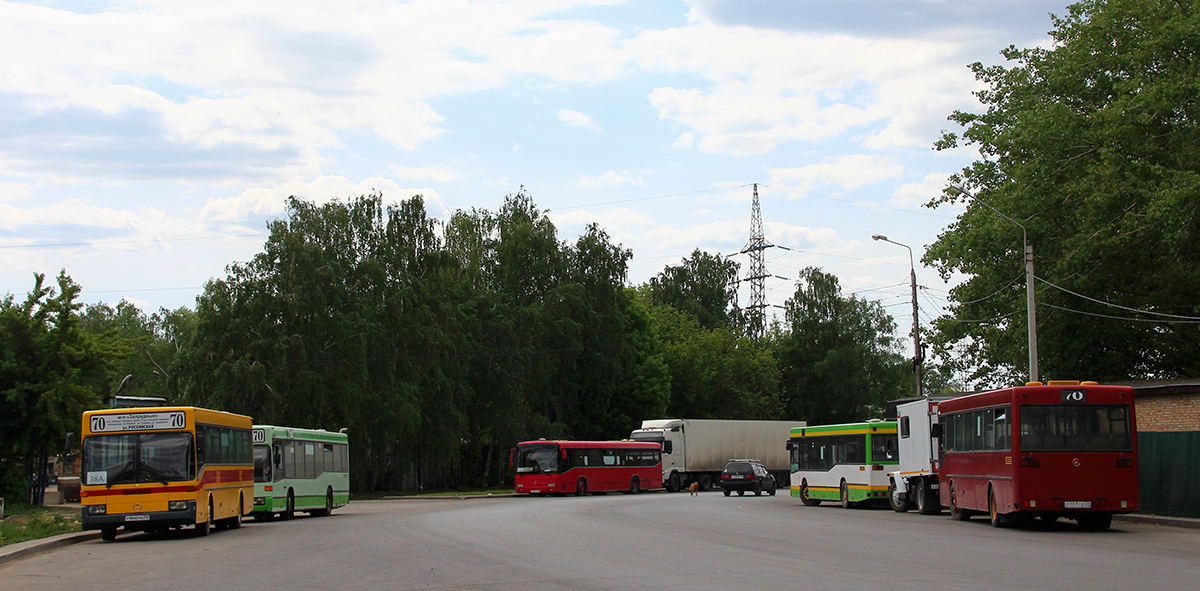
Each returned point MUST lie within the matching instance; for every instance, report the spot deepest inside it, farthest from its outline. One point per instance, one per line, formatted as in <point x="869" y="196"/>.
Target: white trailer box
<point x="696" y="450"/>
<point x="915" y="482"/>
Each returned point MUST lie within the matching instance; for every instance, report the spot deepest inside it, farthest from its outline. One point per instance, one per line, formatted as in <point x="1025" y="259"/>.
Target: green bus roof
<point x="276" y="432"/>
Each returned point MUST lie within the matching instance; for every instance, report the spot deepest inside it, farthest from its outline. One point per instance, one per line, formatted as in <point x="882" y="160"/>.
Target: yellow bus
<point x="151" y="469"/>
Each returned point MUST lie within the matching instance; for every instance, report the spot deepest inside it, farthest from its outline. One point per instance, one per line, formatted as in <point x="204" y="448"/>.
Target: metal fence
<point x="1169" y="473"/>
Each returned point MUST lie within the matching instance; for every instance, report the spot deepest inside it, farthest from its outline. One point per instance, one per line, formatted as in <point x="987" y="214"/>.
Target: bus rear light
<point x="1030" y="462"/>
<point x="1124" y="462"/>
<point x="877" y="467"/>
<point x="1032" y="504"/>
<point x="1124" y="504"/>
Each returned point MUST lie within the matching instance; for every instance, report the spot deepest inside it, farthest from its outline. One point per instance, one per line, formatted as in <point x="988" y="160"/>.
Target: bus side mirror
<point x="510" y="457"/>
<point x="935" y="430"/>
<point x="69" y="444"/>
<point x="788" y="445"/>
<point x="666" y="447"/>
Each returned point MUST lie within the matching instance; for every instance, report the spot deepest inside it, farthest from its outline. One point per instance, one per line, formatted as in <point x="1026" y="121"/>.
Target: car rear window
<point x="738" y="467"/>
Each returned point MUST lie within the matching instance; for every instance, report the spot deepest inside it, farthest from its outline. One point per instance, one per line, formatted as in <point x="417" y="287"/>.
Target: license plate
<point x="137" y="518"/>
<point x="535" y="491"/>
<point x="737" y="477"/>
<point x="1077" y="504"/>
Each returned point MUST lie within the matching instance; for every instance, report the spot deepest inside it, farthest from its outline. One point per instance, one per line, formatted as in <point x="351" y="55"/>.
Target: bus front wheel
<point x="108" y="534"/>
<point x="202" y="529"/>
<point x="289" y="510"/>
<point x="845" y="495"/>
<point x="580" y="487"/>
<point x="635" y="485"/>
<point x="997" y="519"/>
<point x="804" y="498"/>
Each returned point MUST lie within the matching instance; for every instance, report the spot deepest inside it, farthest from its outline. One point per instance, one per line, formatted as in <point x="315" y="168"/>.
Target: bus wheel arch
<point x="581" y="487"/>
<point x="203" y="528"/>
<point x="994" y="515"/>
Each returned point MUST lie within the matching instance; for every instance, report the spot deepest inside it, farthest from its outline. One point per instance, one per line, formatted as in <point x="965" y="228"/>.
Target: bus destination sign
<point x="139" y="421"/>
<point x="1074" y="395"/>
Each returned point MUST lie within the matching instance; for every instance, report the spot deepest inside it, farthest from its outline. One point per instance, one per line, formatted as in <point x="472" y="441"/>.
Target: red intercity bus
<point x="1064" y="449"/>
<point x="558" y="467"/>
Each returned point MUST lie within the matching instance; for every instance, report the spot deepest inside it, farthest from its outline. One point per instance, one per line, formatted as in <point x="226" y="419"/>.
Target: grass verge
<point x="30" y="522"/>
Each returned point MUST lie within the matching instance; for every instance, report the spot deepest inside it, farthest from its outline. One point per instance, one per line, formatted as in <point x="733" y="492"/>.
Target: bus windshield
<point x="262" y="463"/>
<point x="537" y="458"/>
<point x="143" y="457"/>
<point x="1075" y="427"/>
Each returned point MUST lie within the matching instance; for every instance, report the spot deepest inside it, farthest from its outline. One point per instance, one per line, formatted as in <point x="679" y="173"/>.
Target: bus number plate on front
<point x="137" y="518"/>
<point x="1074" y="395"/>
<point x="137" y="421"/>
<point x="1077" y="504"/>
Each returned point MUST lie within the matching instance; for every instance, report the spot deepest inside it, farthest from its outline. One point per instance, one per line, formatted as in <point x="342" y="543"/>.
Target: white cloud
<point x="769" y="86"/>
<point x="616" y="220"/>
<point x="577" y="119"/>
<point x="608" y="179"/>
<point x="685" y="140"/>
<point x="10" y="192"/>
<point x="264" y="201"/>
<point x="848" y="172"/>
<point x="918" y="194"/>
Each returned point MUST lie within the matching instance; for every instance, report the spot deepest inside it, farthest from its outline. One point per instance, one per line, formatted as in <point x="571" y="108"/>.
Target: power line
<point x="1127" y="309"/>
<point x="1125" y="318"/>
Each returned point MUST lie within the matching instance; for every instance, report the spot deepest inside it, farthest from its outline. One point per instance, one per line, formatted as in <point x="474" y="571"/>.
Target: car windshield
<point x="262" y="463"/>
<point x="537" y="458"/>
<point x="138" y="457"/>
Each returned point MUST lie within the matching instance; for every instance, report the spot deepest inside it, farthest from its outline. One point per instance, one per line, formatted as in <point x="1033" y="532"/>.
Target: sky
<point x="144" y="145"/>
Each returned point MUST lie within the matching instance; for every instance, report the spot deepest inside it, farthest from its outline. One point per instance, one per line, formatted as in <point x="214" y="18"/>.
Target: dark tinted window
<point x="1075" y="427"/>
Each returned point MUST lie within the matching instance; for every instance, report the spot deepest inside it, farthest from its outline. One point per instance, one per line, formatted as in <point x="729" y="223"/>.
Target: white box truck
<point x="696" y="450"/>
<point x="915" y="482"/>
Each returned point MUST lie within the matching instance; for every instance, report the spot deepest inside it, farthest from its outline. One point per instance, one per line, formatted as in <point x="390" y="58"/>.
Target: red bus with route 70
<point x="578" y="467"/>
<point x="1064" y="449"/>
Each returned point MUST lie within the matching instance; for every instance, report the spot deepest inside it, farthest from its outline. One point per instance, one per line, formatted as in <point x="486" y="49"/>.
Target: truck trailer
<point x="696" y="450"/>
<point x="915" y="483"/>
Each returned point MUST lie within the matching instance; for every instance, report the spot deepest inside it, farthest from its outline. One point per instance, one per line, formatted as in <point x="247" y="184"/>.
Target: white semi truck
<point x="696" y="450"/>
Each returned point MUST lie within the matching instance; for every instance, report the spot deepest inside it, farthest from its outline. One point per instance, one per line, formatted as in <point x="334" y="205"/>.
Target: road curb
<point x="23" y="549"/>
<point x="1159" y="520"/>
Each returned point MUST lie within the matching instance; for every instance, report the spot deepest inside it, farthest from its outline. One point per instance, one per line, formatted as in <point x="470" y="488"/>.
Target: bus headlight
<point x="97" y="509"/>
<point x="177" y="505"/>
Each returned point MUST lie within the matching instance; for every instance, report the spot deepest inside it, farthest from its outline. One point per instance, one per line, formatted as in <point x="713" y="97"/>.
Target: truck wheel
<point x="898" y="504"/>
<point x="673" y="483"/>
<point x="928" y="502"/>
<point x="705" y="482"/>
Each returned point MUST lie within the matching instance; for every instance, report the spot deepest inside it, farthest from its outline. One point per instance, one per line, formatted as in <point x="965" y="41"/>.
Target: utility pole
<point x="918" y="348"/>
<point x="758" y="271"/>
<point x="1030" y="308"/>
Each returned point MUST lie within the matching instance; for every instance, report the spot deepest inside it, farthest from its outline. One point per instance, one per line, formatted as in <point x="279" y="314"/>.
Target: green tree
<point x="837" y="355"/>
<point x="703" y="285"/>
<point x="1093" y="145"/>
<point x="154" y="341"/>
<point x="50" y="372"/>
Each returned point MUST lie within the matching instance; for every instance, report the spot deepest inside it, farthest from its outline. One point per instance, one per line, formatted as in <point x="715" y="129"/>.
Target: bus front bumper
<point x="140" y="520"/>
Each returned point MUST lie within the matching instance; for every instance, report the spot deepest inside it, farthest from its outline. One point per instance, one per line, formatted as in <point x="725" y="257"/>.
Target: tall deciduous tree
<point x="703" y="285"/>
<point x="50" y="372"/>
<point x="1093" y="145"/>
<point x="837" y="354"/>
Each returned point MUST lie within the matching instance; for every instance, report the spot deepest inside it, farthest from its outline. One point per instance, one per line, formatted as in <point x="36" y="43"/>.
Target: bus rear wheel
<point x="997" y="519"/>
<point x="235" y="522"/>
<point x="581" y="487"/>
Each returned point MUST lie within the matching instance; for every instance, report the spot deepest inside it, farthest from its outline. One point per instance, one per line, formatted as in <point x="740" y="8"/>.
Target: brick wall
<point x="1171" y="412"/>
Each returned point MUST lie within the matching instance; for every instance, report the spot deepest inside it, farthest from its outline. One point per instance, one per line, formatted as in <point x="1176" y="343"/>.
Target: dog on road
<point x="694" y="489"/>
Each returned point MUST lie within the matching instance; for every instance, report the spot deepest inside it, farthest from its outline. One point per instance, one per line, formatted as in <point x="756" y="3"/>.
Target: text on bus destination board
<point x="141" y="421"/>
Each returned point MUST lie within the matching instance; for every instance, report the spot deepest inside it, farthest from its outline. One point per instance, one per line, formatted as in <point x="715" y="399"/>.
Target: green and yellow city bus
<point x="299" y="470"/>
<point x="844" y="463"/>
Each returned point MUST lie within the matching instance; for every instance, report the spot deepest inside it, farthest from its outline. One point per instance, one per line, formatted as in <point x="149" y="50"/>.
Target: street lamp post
<point x="918" y="355"/>
<point x="1030" y="308"/>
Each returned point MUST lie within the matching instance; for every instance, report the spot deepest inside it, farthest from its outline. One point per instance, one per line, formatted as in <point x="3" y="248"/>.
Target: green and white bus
<point x="299" y="470"/>
<point x="844" y="463"/>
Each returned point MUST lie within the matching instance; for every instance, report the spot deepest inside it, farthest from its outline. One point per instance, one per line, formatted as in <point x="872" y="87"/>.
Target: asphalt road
<point x="655" y="541"/>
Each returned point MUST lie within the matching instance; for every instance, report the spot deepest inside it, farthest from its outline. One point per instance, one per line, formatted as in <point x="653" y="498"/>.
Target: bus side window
<point x="327" y="457"/>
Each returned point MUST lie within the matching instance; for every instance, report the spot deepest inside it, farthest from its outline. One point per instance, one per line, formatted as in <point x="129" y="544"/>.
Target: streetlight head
<point x="957" y="190"/>
<point x="878" y="237"/>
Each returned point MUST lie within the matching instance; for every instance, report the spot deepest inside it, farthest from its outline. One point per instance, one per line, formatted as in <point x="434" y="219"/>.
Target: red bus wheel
<point x="581" y="487"/>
